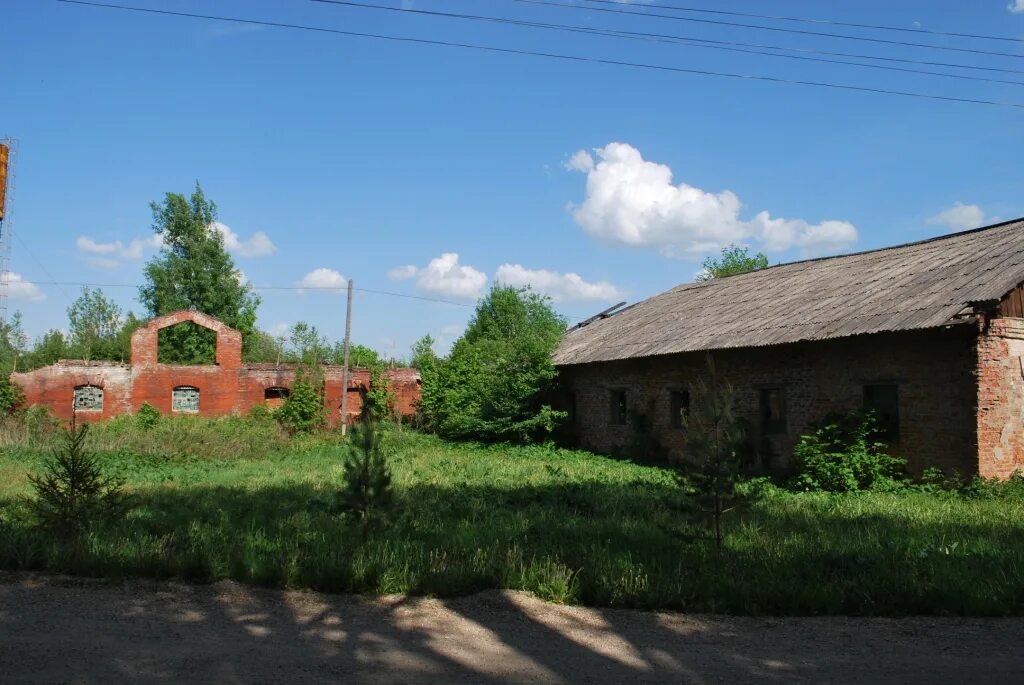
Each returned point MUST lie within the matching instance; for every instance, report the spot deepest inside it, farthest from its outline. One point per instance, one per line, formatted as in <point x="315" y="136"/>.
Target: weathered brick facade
<point x="960" y="393"/>
<point x="227" y="387"/>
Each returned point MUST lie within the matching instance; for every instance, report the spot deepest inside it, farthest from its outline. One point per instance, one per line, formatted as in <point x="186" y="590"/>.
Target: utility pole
<point x="344" y="368"/>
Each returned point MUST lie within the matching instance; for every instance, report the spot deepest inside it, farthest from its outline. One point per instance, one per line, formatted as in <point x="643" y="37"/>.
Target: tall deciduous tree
<point x="733" y="260"/>
<point x="94" y="324"/>
<point x="194" y="271"/>
<point x="492" y="385"/>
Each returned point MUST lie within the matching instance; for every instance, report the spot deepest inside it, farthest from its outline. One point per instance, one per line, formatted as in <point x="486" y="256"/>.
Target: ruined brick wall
<point x="1001" y="398"/>
<point x="227" y="387"/>
<point x="934" y="372"/>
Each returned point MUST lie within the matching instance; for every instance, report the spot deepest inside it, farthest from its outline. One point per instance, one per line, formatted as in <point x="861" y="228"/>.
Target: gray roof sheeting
<point x="907" y="287"/>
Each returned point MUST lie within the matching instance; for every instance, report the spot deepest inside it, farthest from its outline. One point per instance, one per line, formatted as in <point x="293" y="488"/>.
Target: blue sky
<point x="430" y="171"/>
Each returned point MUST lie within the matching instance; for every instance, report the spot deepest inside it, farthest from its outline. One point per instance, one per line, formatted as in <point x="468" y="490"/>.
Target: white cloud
<point x="403" y="273"/>
<point x="110" y="255"/>
<point x="20" y="289"/>
<point x="1017" y="6"/>
<point x="444" y="276"/>
<point x="279" y="329"/>
<point x="259" y="245"/>
<point x="560" y="287"/>
<point x="960" y="217"/>
<point x="453" y="329"/>
<point x="322" y="279"/>
<point x="633" y="201"/>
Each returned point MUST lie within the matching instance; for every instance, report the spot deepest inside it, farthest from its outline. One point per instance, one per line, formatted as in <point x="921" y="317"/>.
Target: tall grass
<point x="567" y="525"/>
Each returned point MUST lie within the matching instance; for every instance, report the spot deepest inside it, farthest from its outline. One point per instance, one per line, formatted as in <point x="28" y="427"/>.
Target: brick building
<point x="929" y="335"/>
<point x="101" y="390"/>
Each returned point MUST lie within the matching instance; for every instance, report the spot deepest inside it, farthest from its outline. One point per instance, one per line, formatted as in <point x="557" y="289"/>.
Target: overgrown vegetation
<point x="733" y="260"/>
<point x="491" y="387"/>
<point x="567" y="525"/>
<point x="842" y="453"/>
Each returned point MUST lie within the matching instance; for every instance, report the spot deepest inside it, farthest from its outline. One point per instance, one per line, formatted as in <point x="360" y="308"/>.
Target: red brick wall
<point x="225" y="388"/>
<point x="935" y="372"/>
<point x="1001" y="398"/>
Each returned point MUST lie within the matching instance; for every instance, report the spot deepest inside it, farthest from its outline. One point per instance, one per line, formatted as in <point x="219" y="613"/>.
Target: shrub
<point x="72" y="493"/>
<point x="366" y="489"/>
<point x="11" y="396"/>
<point x="842" y="454"/>
<point x="379" y="402"/>
<point x="148" y="416"/>
<point x="303" y="409"/>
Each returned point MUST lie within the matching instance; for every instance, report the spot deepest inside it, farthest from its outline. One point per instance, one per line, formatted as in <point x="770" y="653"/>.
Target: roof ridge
<point x="925" y="241"/>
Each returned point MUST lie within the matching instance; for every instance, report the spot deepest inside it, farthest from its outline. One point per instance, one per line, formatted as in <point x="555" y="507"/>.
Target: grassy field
<point x="567" y="525"/>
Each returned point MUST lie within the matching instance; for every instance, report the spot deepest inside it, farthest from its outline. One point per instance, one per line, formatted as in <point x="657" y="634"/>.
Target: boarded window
<point x="678" y="407"/>
<point x="773" y="411"/>
<point x="883" y="400"/>
<point x="619" y="408"/>
<point x="88" y="398"/>
<point x="185" y="398"/>
<point x="275" y="397"/>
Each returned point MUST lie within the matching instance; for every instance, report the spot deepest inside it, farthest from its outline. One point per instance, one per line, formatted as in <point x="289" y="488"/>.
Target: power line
<point x="263" y="288"/>
<point x="684" y="41"/>
<point x="549" y="55"/>
<point x="829" y="22"/>
<point x="761" y="27"/>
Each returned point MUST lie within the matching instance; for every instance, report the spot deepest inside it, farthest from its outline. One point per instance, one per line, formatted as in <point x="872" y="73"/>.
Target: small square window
<point x="773" y="411"/>
<point x="619" y="408"/>
<point x="185" y="399"/>
<point x="88" y="398"/>
<point x="678" y="407"/>
<point x="883" y="401"/>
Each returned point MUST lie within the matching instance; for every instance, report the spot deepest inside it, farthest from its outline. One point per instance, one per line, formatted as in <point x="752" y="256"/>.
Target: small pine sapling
<point x="366" y="492"/>
<point x="72" y="493"/>
<point x="714" y="439"/>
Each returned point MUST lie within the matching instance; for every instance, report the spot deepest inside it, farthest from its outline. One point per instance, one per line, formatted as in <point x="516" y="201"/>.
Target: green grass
<point x="567" y="525"/>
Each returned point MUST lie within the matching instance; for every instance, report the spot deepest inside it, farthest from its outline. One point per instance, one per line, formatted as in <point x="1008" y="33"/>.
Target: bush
<point x="379" y="402"/>
<point x="842" y="454"/>
<point x="72" y="493"/>
<point x="11" y="396"/>
<point x="148" y="416"/>
<point x="303" y="410"/>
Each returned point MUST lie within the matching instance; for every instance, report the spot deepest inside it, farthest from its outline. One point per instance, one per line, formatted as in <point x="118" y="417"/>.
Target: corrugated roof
<point x="907" y="287"/>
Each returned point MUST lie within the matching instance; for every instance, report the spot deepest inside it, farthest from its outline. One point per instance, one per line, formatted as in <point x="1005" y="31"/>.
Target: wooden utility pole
<point x="344" y="368"/>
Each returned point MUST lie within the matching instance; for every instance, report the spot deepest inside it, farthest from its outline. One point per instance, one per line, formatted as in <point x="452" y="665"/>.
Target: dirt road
<point x="74" y="631"/>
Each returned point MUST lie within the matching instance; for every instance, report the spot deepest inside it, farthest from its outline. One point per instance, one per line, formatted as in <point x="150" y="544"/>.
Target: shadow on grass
<point x="594" y="543"/>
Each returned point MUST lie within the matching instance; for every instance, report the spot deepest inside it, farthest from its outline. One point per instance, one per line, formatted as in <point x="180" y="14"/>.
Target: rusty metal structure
<point x="7" y="154"/>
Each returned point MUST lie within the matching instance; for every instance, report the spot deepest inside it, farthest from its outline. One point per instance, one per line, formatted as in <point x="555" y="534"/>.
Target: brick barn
<point x="929" y="335"/>
<point x="101" y="390"/>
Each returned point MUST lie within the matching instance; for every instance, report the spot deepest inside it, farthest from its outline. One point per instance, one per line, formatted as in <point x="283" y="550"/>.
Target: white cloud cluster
<point x="1017" y="6"/>
<point x="20" y="289"/>
<point x="323" y="279"/>
<point x="444" y="276"/>
<point x="113" y="254"/>
<point x="258" y="245"/>
<point x="633" y="201"/>
<point x="560" y="287"/>
<point x="960" y="217"/>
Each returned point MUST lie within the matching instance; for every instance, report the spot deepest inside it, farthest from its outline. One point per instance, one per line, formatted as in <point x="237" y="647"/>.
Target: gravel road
<point x="64" y="630"/>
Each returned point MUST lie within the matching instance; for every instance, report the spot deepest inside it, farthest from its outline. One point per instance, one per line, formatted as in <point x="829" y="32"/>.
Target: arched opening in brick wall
<point x="186" y="343"/>
<point x="275" y="397"/>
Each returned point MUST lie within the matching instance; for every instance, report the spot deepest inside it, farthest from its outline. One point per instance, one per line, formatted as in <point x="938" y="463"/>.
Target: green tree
<point x="47" y="350"/>
<point x="423" y="355"/>
<point x="264" y="348"/>
<point x="733" y="260"/>
<point x="306" y="345"/>
<point x="194" y="271"/>
<point x="13" y="343"/>
<point x="714" y="440"/>
<point x="94" y="323"/>
<point x="491" y="386"/>
<point x="366" y="486"/>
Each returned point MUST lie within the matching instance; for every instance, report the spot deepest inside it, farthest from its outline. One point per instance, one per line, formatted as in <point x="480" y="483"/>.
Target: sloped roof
<point x="907" y="287"/>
